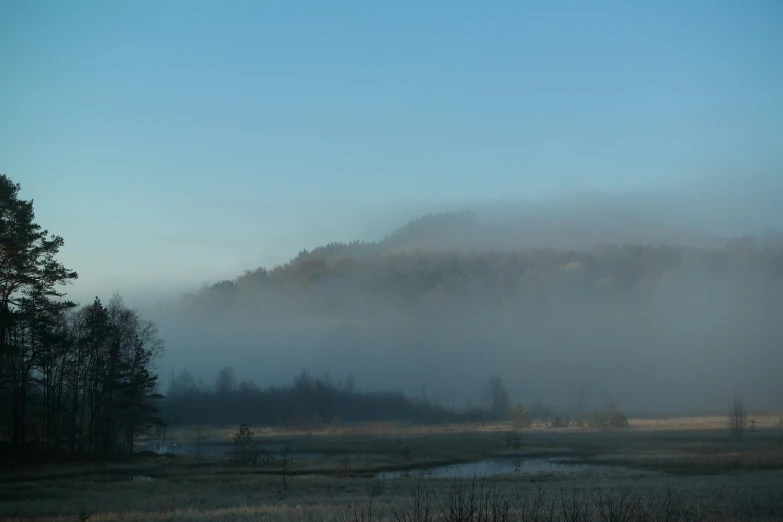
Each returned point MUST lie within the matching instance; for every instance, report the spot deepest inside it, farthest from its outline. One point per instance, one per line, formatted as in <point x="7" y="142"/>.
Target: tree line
<point x="73" y="380"/>
<point x="308" y="402"/>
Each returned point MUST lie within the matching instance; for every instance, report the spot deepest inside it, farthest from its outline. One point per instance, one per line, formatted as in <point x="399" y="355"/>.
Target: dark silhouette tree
<point x="80" y="380"/>
<point x="30" y="302"/>
<point x="288" y="467"/>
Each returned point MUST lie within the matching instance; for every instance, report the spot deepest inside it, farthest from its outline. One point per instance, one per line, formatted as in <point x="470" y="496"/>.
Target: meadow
<point x="676" y="469"/>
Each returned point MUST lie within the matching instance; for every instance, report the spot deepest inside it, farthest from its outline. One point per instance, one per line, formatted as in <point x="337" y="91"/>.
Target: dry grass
<point x="697" y="423"/>
<point x="399" y="430"/>
<point x="702" y="464"/>
<point x="247" y="497"/>
<point x="359" y="429"/>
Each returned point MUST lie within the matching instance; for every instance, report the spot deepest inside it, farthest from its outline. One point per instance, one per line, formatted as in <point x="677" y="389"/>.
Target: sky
<point x="176" y="142"/>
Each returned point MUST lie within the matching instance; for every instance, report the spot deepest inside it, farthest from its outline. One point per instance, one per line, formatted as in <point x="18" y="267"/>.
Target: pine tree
<point x="29" y="299"/>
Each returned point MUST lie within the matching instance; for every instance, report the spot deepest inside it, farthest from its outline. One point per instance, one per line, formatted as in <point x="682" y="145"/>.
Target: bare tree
<point x="287" y="467"/>
<point x="375" y="488"/>
<point x="160" y="432"/>
<point x="200" y="432"/>
<point x="182" y="384"/>
<point x="496" y="395"/>
<point x="738" y="418"/>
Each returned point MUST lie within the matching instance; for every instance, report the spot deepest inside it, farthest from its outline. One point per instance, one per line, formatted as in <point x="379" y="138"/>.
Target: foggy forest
<point x="427" y="315"/>
<point x="391" y="261"/>
<point x="435" y="306"/>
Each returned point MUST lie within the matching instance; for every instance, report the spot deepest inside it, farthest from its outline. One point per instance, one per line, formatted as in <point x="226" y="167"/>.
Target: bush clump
<point x="609" y="418"/>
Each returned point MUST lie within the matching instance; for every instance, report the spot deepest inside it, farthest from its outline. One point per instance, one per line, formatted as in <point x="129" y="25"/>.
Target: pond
<point x="498" y="466"/>
<point x="207" y="449"/>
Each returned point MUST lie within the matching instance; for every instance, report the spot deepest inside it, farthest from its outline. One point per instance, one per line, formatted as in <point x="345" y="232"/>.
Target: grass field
<point x="675" y="469"/>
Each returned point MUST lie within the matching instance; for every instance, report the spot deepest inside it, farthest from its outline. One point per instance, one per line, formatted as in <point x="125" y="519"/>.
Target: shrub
<point x="243" y="444"/>
<point x="520" y="418"/>
<point x="611" y="417"/>
<point x="558" y="422"/>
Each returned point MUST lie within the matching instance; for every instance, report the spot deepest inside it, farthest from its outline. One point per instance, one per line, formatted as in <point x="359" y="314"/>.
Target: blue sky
<point x="171" y="143"/>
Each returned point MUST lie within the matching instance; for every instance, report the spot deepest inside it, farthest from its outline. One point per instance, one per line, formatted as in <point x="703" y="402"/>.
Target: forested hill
<point x="450" y="259"/>
<point x="466" y="232"/>
<point x="430" y="303"/>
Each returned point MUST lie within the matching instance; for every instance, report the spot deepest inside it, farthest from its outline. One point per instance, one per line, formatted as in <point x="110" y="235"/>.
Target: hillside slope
<point x="650" y="324"/>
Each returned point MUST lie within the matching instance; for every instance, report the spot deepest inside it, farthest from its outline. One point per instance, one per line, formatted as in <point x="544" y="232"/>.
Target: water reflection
<point x="497" y="466"/>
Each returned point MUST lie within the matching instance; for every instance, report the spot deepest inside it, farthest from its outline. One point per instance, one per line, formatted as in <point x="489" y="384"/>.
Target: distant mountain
<point x="466" y="231"/>
<point x="460" y="258"/>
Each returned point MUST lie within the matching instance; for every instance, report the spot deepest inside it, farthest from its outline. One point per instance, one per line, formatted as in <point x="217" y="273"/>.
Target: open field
<point x="646" y="472"/>
<point x="224" y="434"/>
